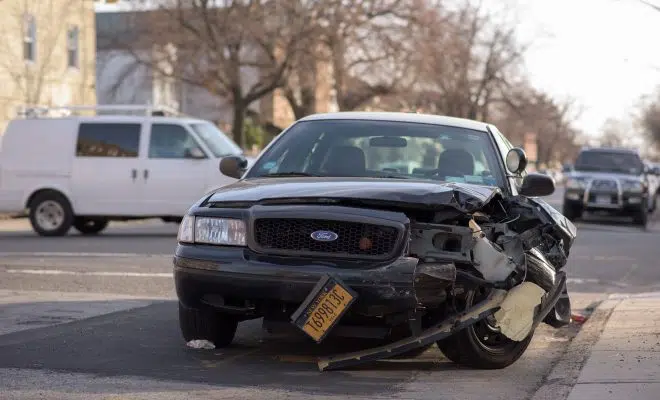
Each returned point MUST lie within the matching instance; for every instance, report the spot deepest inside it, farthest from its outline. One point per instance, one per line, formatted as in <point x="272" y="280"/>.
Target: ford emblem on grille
<point x="324" y="236"/>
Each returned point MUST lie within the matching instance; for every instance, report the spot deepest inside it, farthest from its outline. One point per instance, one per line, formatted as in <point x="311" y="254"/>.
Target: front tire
<point x="641" y="217"/>
<point x="207" y="324"/>
<point x="50" y="214"/>
<point x="89" y="226"/>
<point x="480" y="345"/>
<point x="571" y="211"/>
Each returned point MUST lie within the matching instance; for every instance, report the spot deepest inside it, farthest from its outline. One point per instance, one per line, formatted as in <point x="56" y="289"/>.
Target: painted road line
<point x="94" y="273"/>
<point x="69" y="254"/>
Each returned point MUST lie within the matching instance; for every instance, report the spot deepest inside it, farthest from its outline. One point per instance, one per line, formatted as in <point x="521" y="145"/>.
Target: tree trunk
<point x="238" y="123"/>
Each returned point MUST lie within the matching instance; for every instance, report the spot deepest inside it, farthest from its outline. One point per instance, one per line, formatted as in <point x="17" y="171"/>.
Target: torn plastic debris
<point x="493" y="264"/>
<point x="578" y="319"/>
<point x="201" y="344"/>
<point x="515" y="318"/>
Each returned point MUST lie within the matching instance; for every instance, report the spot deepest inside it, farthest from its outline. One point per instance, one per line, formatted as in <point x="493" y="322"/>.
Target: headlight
<point x="573" y="183"/>
<point x="633" y="186"/>
<point x="207" y="230"/>
<point x="187" y="230"/>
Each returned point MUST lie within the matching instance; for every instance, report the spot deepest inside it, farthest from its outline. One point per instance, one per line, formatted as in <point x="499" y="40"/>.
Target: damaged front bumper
<point x="235" y="280"/>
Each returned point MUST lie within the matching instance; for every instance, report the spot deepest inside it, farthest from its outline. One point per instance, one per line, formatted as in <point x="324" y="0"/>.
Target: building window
<point x="72" y="47"/>
<point x="30" y="39"/>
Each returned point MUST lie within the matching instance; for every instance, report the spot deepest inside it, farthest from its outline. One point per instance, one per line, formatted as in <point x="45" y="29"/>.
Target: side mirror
<point x="516" y="160"/>
<point x="194" y="153"/>
<point x="534" y="185"/>
<point x="233" y="166"/>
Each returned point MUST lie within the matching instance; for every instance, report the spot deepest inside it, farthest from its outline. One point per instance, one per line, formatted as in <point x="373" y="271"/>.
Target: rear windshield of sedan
<point x="382" y="149"/>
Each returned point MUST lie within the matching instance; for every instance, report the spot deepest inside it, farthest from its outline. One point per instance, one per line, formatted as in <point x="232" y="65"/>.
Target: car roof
<point x="116" y="118"/>
<point x="400" y="117"/>
<point x="610" y="150"/>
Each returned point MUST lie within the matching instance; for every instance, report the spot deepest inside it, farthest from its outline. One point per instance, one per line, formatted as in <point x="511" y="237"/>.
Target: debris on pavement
<point x="578" y="319"/>
<point x="201" y="344"/>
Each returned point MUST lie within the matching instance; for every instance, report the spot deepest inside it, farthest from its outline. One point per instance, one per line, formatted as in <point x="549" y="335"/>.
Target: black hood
<point x="462" y="196"/>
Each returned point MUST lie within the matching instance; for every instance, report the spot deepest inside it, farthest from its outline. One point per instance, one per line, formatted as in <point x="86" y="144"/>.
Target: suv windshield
<point x="215" y="140"/>
<point x="609" y="161"/>
<point x="381" y="149"/>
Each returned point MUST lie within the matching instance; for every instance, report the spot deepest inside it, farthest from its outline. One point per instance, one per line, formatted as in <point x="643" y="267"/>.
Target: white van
<point x="85" y="171"/>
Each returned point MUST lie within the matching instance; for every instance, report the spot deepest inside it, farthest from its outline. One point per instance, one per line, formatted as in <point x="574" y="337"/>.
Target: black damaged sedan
<point x="409" y="229"/>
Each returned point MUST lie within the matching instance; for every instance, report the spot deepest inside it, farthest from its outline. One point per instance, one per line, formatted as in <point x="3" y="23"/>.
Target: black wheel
<point x="90" y="226"/>
<point x="641" y="217"/>
<point x="481" y="345"/>
<point x="207" y="324"/>
<point x="572" y="212"/>
<point x="50" y="214"/>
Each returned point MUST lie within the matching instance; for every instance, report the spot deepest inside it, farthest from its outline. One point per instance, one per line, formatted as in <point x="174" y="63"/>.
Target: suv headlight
<point x="209" y="230"/>
<point x="575" y="183"/>
<point x="633" y="186"/>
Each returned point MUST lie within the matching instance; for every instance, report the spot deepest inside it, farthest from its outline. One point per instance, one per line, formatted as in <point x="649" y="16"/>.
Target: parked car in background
<point x="84" y="171"/>
<point x="609" y="180"/>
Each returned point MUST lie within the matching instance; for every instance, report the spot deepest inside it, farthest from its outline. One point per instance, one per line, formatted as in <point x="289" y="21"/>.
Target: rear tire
<point x="480" y="345"/>
<point x="90" y="226"/>
<point x="50" y="214"/>
<point x="207" y="324"/>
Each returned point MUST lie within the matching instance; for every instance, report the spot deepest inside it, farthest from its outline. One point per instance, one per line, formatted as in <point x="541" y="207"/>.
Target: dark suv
<point x="408" y="229"/>
<point x="608" y="180"/>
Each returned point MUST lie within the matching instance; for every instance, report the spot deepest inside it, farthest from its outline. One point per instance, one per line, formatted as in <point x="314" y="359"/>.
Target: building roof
<point x="400" y="117"/>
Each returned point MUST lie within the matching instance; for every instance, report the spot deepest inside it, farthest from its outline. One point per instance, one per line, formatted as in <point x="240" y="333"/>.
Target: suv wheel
<point x="641" y="217"/>
<point x="207" y="324"/>
<point x="50" y="214"/>
<point x="481" y="345"/>
<point x="571" y="211"/>
<point x="90" y="226"/>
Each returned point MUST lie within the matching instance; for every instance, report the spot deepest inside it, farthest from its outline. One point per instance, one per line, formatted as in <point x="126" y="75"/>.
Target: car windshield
<point x="381" y="149"/>
<point x="219" y="144"/>
<point x="609" y="161"/>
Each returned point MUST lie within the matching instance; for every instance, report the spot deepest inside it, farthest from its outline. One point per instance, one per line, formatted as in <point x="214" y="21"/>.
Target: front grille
<point x="604" y="185"/>
<point x="353" y="238"/>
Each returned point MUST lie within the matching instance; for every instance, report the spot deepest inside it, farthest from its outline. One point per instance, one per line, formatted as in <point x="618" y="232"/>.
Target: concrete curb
<point x="564" y="375"/>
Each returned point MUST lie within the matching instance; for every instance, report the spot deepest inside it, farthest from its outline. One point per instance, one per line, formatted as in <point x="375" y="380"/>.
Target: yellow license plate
<point x="324" y="307"/>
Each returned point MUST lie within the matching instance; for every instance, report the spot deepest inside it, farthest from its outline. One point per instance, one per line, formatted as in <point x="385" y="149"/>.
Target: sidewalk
<point x="625" y="361"/>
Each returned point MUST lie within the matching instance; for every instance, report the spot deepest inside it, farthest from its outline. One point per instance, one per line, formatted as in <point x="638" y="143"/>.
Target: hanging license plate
<point x="323" y="307"/>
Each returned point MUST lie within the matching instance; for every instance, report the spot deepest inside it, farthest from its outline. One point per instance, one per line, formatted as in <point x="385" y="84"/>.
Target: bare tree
<point x="650" y="121"/>
<point x="237" y="50"/>
<point x="33" y="64"/>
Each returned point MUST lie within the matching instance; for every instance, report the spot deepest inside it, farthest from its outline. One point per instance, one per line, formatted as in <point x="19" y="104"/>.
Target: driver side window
<point x="170" y="141"/>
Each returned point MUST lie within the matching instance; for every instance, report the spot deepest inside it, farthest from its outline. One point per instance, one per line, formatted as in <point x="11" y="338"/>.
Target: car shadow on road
<point x="146" y="342"/>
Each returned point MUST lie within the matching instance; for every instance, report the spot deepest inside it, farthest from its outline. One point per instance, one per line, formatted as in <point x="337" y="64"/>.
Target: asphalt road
<point x="105" y="326"/>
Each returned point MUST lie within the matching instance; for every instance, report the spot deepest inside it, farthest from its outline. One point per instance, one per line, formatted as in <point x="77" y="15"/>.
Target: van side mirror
<point x="535" y="184"/>
<point x="233" y="166"/>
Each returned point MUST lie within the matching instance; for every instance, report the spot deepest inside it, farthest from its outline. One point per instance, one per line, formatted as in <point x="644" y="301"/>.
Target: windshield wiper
<point x="276" y="174"/>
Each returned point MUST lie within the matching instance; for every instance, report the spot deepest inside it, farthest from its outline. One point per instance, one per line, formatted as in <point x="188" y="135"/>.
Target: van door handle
<point x="146" y="174"/>
<point x="134" y="173"/>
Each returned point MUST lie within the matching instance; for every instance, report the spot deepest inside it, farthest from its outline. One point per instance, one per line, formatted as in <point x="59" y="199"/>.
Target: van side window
<point x="108" y="140"/>
<point x="170" y="141"/>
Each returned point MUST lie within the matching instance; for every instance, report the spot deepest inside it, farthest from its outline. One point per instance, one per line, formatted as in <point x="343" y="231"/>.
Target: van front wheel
<point x="51" y="214"/>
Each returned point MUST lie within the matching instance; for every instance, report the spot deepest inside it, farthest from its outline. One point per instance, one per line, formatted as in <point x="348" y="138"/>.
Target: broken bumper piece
<point x="439" y="331"/>
<point x="446" y="328"/>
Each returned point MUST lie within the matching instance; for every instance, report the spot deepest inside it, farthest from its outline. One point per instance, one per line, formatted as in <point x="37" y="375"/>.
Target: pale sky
<point x="603" y="53"/>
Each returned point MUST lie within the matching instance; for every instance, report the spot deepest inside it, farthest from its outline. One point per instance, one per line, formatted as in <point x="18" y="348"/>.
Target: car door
<point x="175" y="171"/>
<point x="104" y="171"/>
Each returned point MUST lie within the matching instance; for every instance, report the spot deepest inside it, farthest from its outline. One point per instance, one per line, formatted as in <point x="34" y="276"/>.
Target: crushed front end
<point x="430" y="266"/>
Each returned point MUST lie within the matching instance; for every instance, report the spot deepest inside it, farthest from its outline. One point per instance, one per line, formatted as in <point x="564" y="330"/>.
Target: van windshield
<point x="219" y="144"/>
<point x="609" y="161"/>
